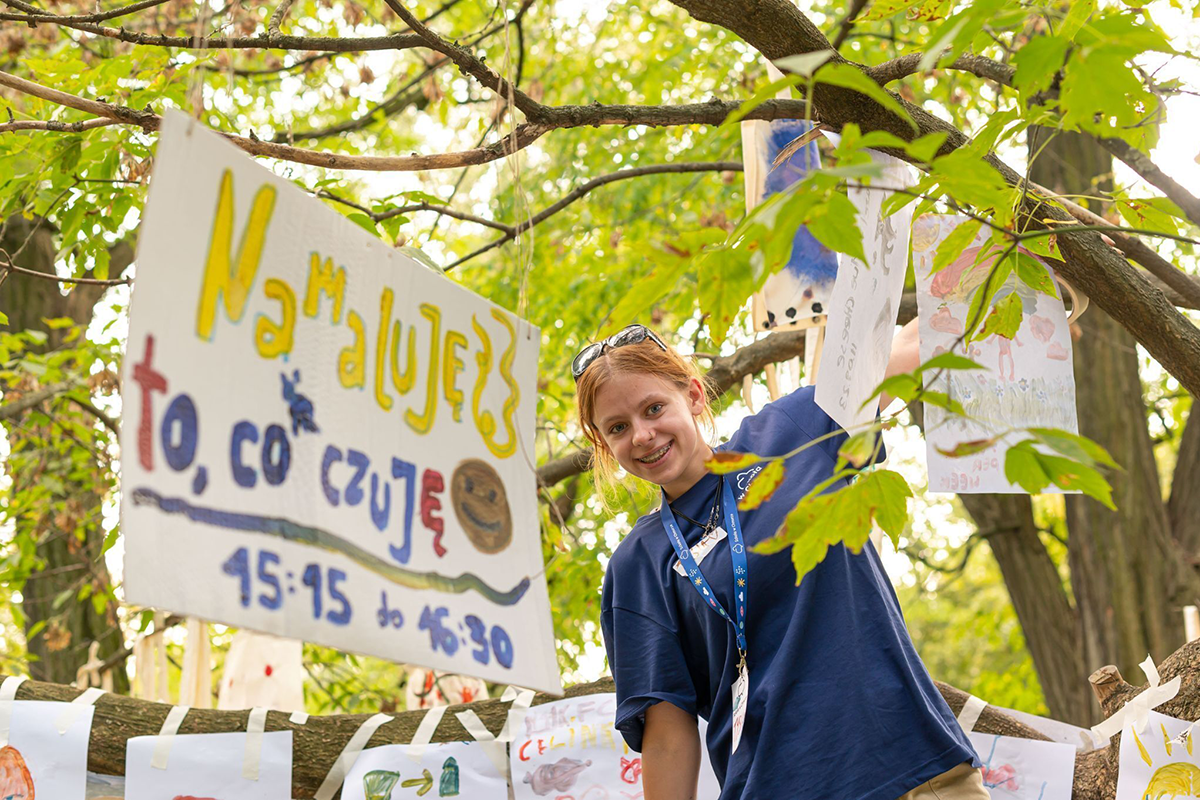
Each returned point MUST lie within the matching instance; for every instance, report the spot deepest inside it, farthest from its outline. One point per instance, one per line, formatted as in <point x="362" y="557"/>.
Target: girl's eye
<point x="654" y="409"/>
<point x="615" y="429"/>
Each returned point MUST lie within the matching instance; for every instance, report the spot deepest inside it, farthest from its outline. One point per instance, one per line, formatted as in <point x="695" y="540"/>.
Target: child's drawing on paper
<point x="1025" y="769"/>
<point x="300" y="408"/>
<point x="15" y="781"/>
<point x="448" y="769"/>
<point x="1160" y="761"/>
<point x="557" y="777"/>
<point x="797" y="295"/>
<point x="209" y="766"/>
<point x="1026" y="381"/>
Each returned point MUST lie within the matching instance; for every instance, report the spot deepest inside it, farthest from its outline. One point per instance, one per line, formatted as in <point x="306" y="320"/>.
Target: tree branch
<point x="6" y="266"/>
<point x="277" y="19"/>
<point x="513" y="231"/>
<point x="1140" y="163"/>
<point x="847" y="24"/>
<point x="14" y="408"/>
<point x="37" y="15"/>
<point x="981" y="66"/>
<point x="57" y="127"/>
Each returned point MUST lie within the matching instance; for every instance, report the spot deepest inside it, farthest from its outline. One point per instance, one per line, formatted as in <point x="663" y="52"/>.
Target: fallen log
<point x="320" y="740"/>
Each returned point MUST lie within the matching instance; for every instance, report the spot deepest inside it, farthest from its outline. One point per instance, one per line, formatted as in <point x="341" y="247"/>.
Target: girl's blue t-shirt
<point x="840" y="705"/>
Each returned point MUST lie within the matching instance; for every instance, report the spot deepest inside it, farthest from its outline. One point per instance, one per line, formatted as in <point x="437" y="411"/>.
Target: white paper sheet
<point x="38" y="760"/>
<point x="1159" y="761"/>
<point x="569" y="750"/>
<point x="451" y="769"/>
<point x="327" y="441"/>
<point x="1025" y="769"/>
<point x="866" y="302"/>
<point x="1026" y="382"/>
<point x="208" y="766"/>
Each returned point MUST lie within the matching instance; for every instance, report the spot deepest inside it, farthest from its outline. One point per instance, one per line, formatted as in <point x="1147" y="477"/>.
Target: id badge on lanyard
<point x="741" y="586"/>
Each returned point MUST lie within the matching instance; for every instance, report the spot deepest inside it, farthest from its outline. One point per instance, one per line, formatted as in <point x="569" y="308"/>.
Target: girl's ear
<point x="696" y="397"/>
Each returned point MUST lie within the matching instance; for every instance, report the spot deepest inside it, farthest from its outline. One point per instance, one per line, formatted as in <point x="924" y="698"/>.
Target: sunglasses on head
<point x="633" y="334"/>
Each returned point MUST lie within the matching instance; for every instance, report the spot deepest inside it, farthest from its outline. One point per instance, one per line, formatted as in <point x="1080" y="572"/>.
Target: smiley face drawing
<point x="481" y="505"/>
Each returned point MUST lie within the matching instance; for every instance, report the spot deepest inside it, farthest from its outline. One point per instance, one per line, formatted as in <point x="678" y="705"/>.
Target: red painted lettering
<point x="432" y="484"/>
<point x="151" y="381"/>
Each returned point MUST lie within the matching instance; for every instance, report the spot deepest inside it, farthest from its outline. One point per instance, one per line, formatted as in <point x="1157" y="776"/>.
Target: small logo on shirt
<point x="744" y="478"/>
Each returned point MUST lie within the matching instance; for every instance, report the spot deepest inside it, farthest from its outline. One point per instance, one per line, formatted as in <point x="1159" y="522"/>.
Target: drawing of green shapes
<point x="422" y="784"/>
<point x="378" y="784"/>
<point x="448" y="785"/>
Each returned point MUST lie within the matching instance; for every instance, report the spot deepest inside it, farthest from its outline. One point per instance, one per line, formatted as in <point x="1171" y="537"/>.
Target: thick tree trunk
<point x="1038" y="596"/>
<point x="65" y="627"/>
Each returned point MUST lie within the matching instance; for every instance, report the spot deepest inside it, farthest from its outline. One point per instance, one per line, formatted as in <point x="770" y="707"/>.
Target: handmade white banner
<point x="1159" y="761"/>
<point x="453" y="769"/>
<point x="1025" y="769"/>
<point x="569" y="750"/>
<point x="866" y="301"/>
<point x="204" y="766"/>
<point x="38" y="760"/>
<point x="326" y="440"/>
<point x="1026" y="381"/>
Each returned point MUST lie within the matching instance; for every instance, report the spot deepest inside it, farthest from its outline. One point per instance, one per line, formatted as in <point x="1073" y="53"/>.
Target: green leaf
<point x="927" y="146"/>
<point x="949" y="361"/>
<point x="834" y="225"/>
<point x="764" y="94"/>
<point x="859" y="448"/>
<point x="763" y="486"/>
<point x="1038" y="62"/>
<point x="963" y="449"/>
<point x="1004" y="320"/>
<point x="1076" y="17"/>
<point x="363" y="221"/>
<point x="846" y="516"/>
<point x="3" y="319"/>
<point x="1072" y="445"/>
<point x="1033" y="471"/>
<point x="1035" y="274"/>
<point x="724" y="462"/>
<point x="804" y="63"/>
<point x="644" y="293"/>
<point x="849" y="77"/>
<point x="953" y="245"/>
<point x="904" y="386"/>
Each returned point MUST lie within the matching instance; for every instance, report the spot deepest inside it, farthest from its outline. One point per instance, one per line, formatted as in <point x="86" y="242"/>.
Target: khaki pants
<point x="964" y="782"/>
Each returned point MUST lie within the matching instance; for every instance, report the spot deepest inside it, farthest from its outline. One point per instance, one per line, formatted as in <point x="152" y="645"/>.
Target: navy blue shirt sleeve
<point x="641" y="638"/>
<point x="813" y="423"/>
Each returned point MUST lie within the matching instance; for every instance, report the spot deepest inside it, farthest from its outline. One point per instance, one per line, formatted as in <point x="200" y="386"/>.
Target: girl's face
<point x="651" y="427"/>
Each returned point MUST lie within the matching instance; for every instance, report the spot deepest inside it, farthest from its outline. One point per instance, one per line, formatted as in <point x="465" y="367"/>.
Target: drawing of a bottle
<point x="448" y="786"/>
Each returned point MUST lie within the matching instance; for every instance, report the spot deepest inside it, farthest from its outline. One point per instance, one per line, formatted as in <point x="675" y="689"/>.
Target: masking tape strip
<point x="256" y="723"/>
<point x="298" y="717"/>
<point x="970" y="713"/>
<point x="1137" y="710"/>
<point x="337" y="773"/>
<point x="8" y="696"/>
<point x="496" y="751"/>
<point x="166" y="735"/>
<point x="75" y="708"/>
<point x="425" y="731"/>
<point x="516" y="715"/>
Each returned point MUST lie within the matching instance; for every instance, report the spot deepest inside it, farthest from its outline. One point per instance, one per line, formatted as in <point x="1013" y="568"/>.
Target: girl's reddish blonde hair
<point x="643" y="358"/>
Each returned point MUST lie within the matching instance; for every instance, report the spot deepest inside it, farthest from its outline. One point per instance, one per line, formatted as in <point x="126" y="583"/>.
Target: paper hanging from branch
<point x="209" y="765"/>
<point x="866" y="301"/>
<point x="37" y="758"/>
<point x="570" y="748"/>
<point x="1025" y="769"/>
<point x="452" y="769"/>
<point x="1160" y="760"/>
<point x="326" y="440"/>
<point x="1027" y="381"/>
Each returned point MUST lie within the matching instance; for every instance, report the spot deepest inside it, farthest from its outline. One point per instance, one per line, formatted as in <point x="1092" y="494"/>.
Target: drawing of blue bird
<point x="299" y="406"/>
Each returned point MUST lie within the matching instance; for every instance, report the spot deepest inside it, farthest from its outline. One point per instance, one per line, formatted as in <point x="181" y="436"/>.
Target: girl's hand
<point x="906" y="356"/>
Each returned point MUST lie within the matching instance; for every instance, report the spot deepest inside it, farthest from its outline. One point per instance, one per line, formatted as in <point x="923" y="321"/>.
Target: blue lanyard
<point x="737" y="553"/>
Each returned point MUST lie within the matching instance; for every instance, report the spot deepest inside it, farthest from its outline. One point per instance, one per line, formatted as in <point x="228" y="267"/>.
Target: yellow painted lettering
<point x="606" y="733"/>
<point x="324" y="279"/>
<point x="587" y="736"/>
<point x="451" y="366"/>
<point x="555" y="745"/>
<point x="423" y="422"/>
<point x="276" y="339"/>
<point x="223" y="278"/>
<point x="403" y="381"/>
<point x="485" y="423"/>
<point x="352" y="361"/>
<point x="381" y="349"/>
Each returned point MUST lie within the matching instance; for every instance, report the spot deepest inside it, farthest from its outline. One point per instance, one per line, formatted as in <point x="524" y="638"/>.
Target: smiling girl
<point x="810" y="691"/>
